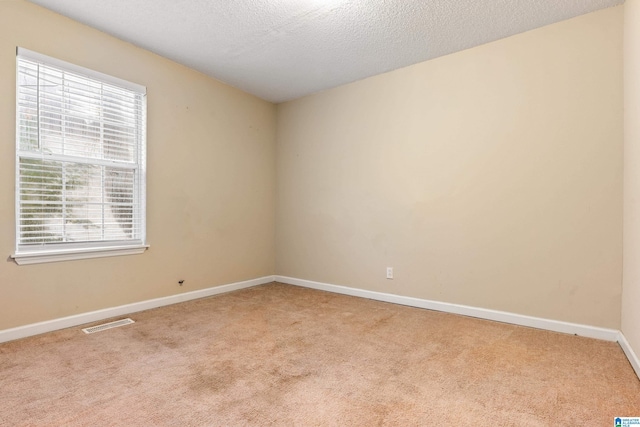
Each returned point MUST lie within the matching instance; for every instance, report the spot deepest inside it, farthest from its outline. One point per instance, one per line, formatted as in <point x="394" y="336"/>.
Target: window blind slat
<point x="79" y="155"/>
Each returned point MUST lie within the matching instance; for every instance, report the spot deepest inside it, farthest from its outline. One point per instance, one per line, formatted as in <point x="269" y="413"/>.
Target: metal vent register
<point x="110" y="325"/>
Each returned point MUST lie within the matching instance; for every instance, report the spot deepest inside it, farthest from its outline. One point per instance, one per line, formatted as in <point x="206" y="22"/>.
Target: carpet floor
<point x="283" y="355"/>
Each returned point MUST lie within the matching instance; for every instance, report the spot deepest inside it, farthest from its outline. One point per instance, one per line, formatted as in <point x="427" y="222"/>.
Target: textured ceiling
<point x="284" y="49"/>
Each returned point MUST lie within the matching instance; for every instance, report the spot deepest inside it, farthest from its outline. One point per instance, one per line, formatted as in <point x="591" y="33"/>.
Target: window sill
<point x="39" y="257"/>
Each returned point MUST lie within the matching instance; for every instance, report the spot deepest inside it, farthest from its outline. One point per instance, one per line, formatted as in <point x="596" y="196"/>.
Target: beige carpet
<point x="283" y="355"/>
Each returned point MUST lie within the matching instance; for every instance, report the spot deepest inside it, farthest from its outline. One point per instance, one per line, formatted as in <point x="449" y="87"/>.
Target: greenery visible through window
<point x="80" y="157"/>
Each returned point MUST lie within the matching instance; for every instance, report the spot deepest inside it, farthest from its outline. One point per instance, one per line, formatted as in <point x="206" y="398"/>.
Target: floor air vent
<point x="104" y="326"/>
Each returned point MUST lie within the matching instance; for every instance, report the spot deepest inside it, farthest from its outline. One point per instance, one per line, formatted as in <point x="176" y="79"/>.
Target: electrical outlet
<point x="389" y="272"/>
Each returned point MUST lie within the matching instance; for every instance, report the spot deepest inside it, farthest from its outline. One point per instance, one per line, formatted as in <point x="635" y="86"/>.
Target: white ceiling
<point x="284" y="49"/>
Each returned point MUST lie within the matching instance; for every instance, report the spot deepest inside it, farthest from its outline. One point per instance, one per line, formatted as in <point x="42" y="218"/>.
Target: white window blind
<point x="80" y="160"/>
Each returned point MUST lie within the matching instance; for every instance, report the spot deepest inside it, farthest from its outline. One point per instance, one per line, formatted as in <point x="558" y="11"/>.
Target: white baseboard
<point x="481" y="313"/>
<point x="631" y="355"/>
<point x="93" y="316"/>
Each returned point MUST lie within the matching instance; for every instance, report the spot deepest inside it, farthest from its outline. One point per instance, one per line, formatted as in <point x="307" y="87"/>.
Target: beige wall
<point x="631" y="272"/>
<point x="491" y="177"/>
<point x="211" y="177"/>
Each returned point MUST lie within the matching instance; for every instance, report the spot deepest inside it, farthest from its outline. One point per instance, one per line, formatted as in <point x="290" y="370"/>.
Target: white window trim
<point x="40" y="257"/>
<point x="98" y="249"/>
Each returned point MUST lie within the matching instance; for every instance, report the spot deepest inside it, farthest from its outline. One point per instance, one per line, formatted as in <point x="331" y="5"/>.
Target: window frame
<point x="53" y="252"/>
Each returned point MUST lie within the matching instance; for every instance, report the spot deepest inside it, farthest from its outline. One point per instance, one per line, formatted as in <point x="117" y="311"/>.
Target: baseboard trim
<point x="93" y="316"/>
<point x="481" y="313"/>
<point x="628" y="351"/>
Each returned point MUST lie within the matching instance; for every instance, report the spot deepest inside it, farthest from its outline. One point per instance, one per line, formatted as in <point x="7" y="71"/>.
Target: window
<point x="80" y="162"/>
